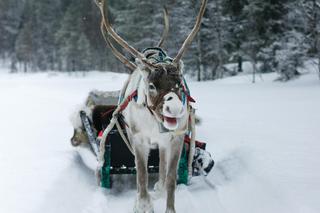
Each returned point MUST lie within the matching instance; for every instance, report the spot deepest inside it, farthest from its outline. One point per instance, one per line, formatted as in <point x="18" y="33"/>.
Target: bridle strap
<point x="124" y="105"/>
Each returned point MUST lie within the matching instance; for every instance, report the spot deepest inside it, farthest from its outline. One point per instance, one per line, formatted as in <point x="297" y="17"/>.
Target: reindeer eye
<point x="152" y="87"/>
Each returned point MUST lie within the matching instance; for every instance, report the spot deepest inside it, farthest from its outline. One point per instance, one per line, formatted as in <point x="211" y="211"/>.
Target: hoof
<point x="143" y="205"/>
<point x="75" y="143"/>
<point x="143" y="212"/>
<point x="159" y="190"/>
<point x="170" y="211"/>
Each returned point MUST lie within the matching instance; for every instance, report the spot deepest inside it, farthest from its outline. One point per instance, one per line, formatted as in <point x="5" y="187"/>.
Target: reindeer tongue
<point x="170" y="123"/>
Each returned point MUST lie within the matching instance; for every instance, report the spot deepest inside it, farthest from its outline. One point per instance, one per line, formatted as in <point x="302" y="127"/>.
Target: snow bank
<point x="264" y="138"/>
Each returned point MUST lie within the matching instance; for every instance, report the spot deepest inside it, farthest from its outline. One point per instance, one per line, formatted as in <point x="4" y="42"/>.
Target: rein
<point x="158" y="56"/>
<point x="114" y="122"/>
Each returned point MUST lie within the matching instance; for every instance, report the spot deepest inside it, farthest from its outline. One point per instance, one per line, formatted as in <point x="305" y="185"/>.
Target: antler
<point x="113" y="34"/>
<point x="193" y="33"/>
<point x="118" y="55"/>
<point x="132" y="50"/>
<point x="105" y="25"/>
<point x="166" y="26"/>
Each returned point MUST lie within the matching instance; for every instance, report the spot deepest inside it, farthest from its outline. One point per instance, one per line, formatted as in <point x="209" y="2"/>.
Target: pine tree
<point x="310" y="11"/>
<point x="10" y="19"/>
<point x="65" y="34"/>
<point x="41" y="17"/>
<point x="235" y="35"/>
<point x="182" y="19"/>
<point x="100" y="56"/>
<point x="68" y="36"/>
<point x="84" y="56"/>
<point x="138" y="22"/>
<point x="263" y="26"/>
<point x="24" y="47"/>
<point x="214" y="34"/>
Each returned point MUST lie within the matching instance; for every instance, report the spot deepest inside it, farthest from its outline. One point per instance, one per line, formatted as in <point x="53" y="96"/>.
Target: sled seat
<point x="118" y="159"/>
<point x="121" y="159"/>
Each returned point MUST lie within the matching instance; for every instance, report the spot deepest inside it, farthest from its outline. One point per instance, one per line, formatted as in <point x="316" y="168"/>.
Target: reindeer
<point x="159" y="116"/>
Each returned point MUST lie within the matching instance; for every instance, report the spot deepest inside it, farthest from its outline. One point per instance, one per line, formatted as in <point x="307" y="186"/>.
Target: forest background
<point x="64" y="35"/>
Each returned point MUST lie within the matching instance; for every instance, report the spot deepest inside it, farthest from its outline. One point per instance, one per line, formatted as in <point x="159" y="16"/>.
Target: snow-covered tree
<point x="24" y="47"/>
<point x="235" y="35"/>
<point x="289" y="55"/>
<point x="214" y="34"/>
<point x="291" y="49"/>
<point x="10" y="19"/>
<point x="263" y="26"/>
<point x="84" y="56"/>
<point x="74" y="46"/>
<point x="140" y="23"/>
<point x="310" y="11"/>
<point x="65" y="34"/>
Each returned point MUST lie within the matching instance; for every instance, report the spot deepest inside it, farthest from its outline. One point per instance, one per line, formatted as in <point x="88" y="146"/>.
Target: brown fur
<point x="165" y="79"/>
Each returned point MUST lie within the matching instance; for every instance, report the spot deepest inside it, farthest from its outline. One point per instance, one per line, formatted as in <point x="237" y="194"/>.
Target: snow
<point x="264" y="138"/>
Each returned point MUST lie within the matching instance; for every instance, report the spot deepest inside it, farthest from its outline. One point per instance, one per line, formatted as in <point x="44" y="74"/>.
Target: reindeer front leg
<point x="159" y="187"/>
<point x="143" y="201"/>
<point x="173" y="159"/>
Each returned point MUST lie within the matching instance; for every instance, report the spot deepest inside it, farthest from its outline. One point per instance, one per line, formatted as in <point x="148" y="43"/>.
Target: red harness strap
<point x="108" y="112"/>
<point x="189" y="98"/>
<point x="135" y="93"/>
<point x="128" y="100"/>
<point x="122" y="107"/>
<point x="199" y="144"/>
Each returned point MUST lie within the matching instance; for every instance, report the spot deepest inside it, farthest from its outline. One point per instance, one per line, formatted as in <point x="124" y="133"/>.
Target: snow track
<point x="264" y="138"/>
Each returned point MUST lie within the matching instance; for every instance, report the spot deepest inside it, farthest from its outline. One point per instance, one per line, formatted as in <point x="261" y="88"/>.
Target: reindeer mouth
<point x="169" y="120"/>
<point x="170" y="123"/>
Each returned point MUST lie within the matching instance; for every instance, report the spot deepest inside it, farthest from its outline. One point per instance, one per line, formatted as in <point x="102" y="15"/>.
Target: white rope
<point x="104" y="137"/>
<point x="114" y="121"/>
<point x="103" y="144"/>
<point x="192" y="141"/>
<point x="124" y="138"/>
<point x="123" y="90"/>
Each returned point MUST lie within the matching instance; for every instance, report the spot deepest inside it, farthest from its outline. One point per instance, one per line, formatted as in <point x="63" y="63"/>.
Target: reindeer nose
<point x="172" y="104"/>
<point x="169" y="98"/>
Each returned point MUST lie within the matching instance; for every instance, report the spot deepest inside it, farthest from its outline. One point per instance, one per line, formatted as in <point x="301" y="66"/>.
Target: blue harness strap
<point x="157" y="55"/>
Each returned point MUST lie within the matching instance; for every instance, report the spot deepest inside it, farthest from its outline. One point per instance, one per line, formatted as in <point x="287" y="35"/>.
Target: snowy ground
<point x="265" y="138"/>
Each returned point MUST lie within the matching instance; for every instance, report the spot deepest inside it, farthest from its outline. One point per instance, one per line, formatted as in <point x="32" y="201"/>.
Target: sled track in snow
<point x="263" y="137"/>
<point x="76" y="190"/>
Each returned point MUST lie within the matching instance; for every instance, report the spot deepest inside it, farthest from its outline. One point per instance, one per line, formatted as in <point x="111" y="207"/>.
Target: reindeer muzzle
<point x="173" y="109"/>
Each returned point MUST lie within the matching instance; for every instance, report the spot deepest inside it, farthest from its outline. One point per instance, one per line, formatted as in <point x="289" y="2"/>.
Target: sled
<point x="118" y="159"/>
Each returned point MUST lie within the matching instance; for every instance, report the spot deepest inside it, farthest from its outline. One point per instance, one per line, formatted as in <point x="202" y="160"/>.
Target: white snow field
<point x="265" y="139"/>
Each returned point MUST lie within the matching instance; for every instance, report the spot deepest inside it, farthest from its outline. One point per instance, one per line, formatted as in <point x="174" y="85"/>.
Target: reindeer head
<point x="162" y="75"/>
<point x="163" y="87"/>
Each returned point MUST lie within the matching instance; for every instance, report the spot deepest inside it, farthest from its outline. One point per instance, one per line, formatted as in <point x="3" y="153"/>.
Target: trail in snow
<point x="264" y="138"/>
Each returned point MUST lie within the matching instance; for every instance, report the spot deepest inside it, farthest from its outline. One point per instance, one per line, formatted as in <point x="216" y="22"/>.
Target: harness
<point x="155" y="55"/>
